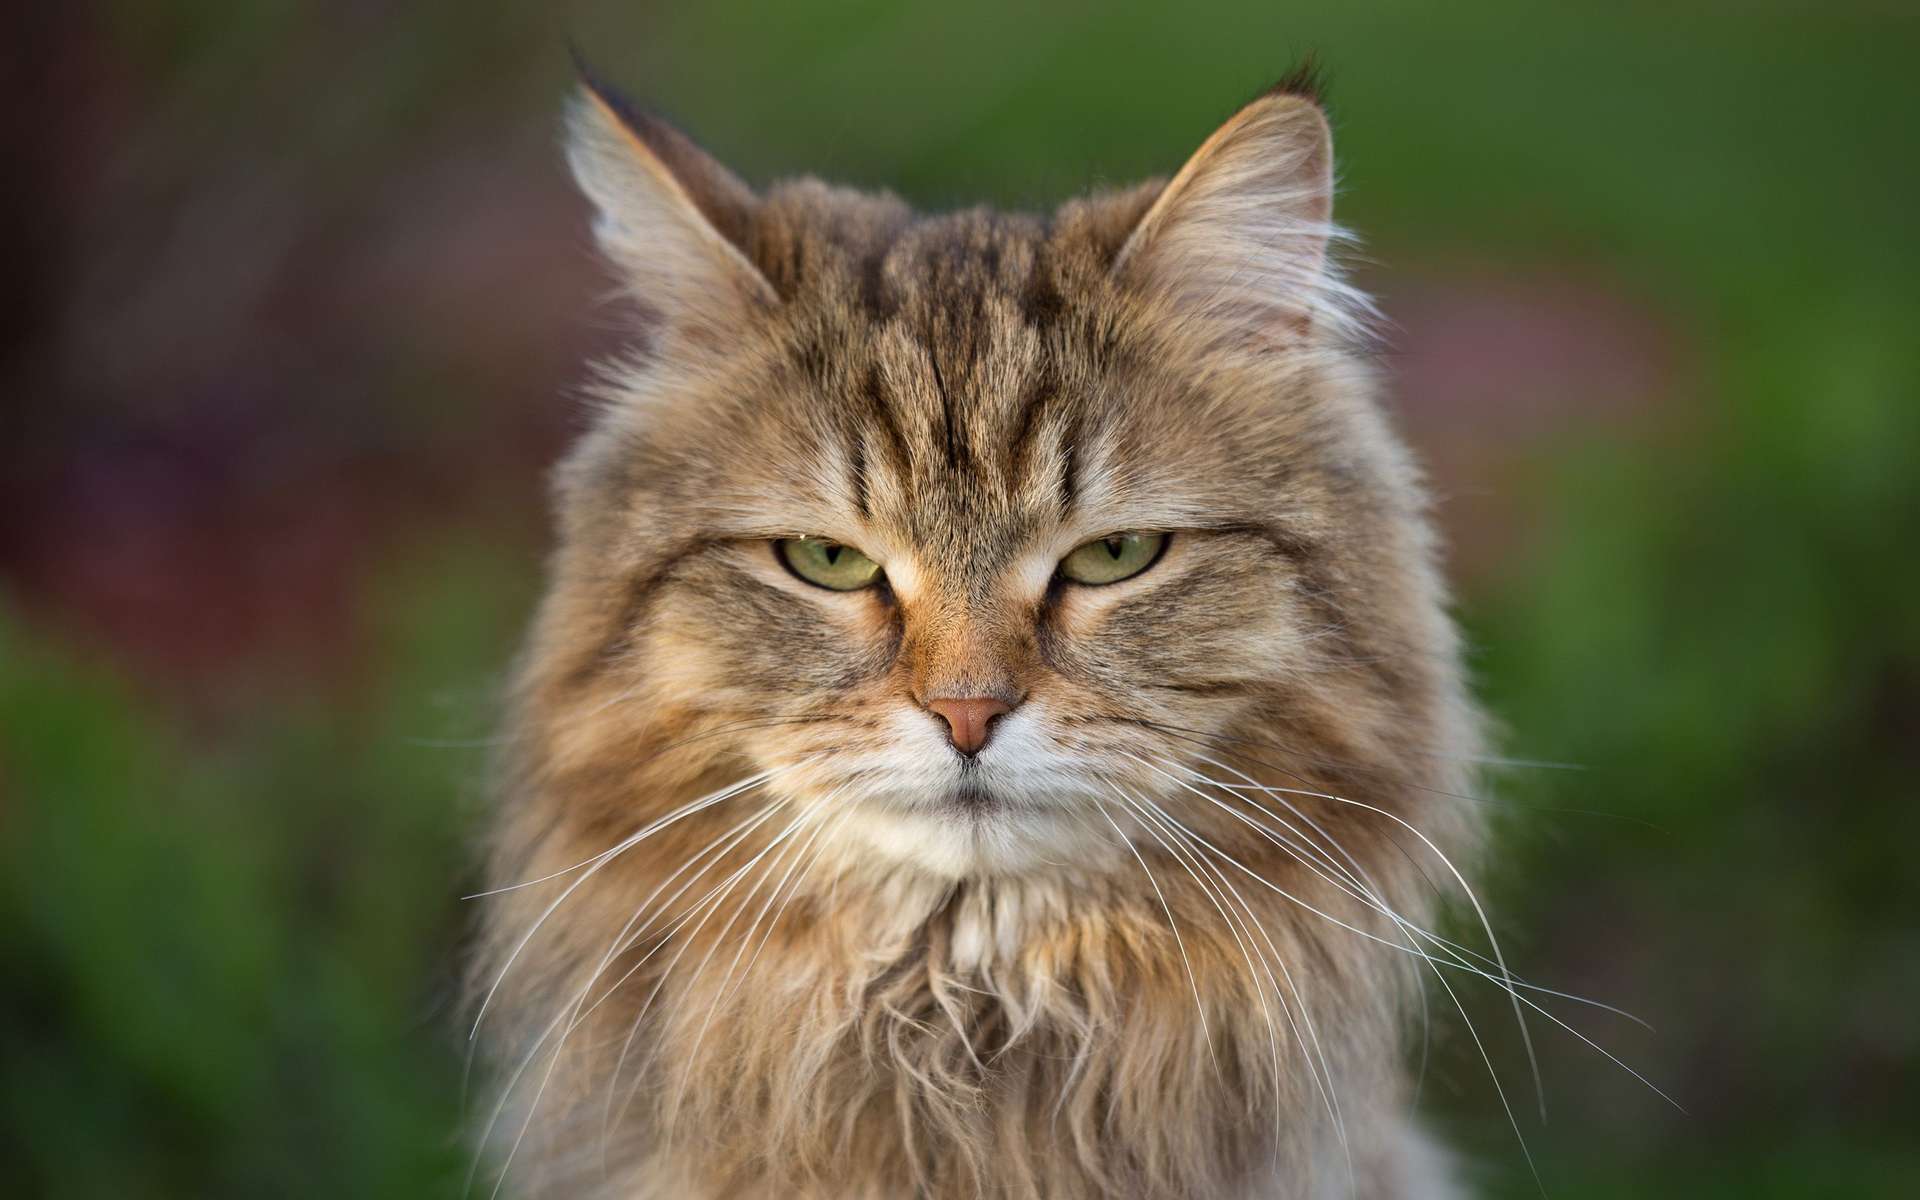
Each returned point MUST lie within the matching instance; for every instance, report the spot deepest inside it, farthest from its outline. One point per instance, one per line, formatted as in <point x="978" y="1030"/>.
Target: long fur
<point x="757" y="931"/>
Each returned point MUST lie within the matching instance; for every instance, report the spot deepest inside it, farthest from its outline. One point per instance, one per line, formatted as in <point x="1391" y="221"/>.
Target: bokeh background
<point x="295" y="295"/>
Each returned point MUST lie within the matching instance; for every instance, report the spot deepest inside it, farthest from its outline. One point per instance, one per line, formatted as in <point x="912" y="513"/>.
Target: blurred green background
<point x="298" y="290"/>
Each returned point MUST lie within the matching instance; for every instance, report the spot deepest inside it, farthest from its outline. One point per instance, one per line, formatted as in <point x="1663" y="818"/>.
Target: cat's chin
<point x="972" y="834"/>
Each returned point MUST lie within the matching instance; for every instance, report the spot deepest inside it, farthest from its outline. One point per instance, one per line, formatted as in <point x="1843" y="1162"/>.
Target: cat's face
<point x="1016" y="636"/>
<point x="972" y="532"/>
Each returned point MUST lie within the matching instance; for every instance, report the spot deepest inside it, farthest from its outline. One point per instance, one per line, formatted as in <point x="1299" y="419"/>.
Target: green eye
<point x="1111" y="559"/>
<point x="828" y="564"/>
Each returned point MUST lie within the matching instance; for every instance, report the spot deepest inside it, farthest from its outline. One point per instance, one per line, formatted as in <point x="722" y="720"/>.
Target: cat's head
<point x="975" y="533"/>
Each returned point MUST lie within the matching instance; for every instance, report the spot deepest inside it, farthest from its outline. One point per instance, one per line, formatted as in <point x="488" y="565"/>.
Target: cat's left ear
<point x="674" y="222"/>
<point x="1239" y="237"/>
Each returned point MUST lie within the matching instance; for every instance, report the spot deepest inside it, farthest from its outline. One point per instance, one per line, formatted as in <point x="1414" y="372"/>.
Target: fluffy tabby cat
<point x="993" y="729"/>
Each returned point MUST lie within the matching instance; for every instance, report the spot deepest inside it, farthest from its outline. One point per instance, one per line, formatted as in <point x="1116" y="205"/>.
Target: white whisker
<point x="719" y="896"/>
<point x="684" y="810"/>
<point x="1199" y="1006"/>
<point x="602" y="860"/>
<point x="1368" y="894"/>
<point x="572" y="1017"/>
<point x="1309" y="1046"/>
<point x="1473" y="898"/>
<point x="725" y="988"/>
<point x="1487" y="1058"/>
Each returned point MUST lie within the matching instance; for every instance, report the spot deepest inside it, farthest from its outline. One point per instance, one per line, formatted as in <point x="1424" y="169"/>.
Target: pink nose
<point x="967" y="720"/>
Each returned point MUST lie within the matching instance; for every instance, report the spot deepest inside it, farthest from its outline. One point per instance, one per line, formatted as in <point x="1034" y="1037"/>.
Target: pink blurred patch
<point x="1492" y="373"/>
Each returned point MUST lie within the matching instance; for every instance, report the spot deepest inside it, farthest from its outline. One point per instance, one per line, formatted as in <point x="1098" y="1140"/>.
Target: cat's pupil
<point x="832" y="552"/>
<point x="1114" y="546"/>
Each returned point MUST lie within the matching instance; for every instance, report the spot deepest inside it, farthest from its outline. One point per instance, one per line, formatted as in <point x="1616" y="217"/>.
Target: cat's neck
<point x="1041" y="1034"/>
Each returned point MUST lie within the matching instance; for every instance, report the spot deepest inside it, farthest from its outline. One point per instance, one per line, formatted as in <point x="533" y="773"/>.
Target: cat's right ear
<point x="672" y="220"/>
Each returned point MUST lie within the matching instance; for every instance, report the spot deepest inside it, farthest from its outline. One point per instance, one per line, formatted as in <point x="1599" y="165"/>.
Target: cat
<point x="994" y="727"/>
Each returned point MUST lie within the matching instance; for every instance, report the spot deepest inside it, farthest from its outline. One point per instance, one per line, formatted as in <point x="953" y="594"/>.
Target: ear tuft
<point x="673" y="221"/>
<point x="1306" y="81"/>
<point x="1238" y="239"/>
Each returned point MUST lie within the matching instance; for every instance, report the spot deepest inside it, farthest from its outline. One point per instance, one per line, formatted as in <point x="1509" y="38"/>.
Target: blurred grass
<point x="232" y="963"/>
<point x="230" y="949"/>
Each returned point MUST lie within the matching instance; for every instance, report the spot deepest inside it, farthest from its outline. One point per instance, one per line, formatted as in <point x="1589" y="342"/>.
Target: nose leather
<point x="968" y="720"/>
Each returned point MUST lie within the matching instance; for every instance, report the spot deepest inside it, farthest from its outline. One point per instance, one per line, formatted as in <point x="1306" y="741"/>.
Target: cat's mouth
<point x="971" y="796"/>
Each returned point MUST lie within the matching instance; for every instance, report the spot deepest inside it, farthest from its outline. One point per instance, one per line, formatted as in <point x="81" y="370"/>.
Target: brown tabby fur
<point x="957" y="979"/>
